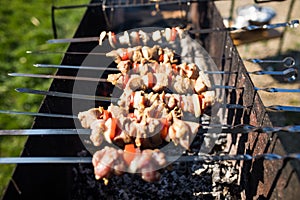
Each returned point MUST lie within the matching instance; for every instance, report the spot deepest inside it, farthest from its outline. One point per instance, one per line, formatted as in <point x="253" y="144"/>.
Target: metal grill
<point x="68" y="181"/>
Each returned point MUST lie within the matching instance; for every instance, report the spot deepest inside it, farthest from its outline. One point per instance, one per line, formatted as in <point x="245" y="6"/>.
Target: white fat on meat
<point x="139" y="100"/>
<point x="101" y="37"/>
<point x="197" y="107"/>
<point x="146" y="52"/>
<point x="108" y="130"/>
<point x="168" y="33"/>
<point x="110" y="39"/>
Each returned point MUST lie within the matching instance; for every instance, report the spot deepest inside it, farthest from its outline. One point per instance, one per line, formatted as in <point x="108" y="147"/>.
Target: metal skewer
<point x="31" y="132"/>
<point x="273" y="108"/>
<point x="290" y="73"/>
<point x="75" y="67"/>
<point x="291" y="24"/>
<point x="67" y="52"/>
<point x="287" y="62"/>
<point x="37" y="114"/>
<point x="47" y="76"/>
<point x="199" y="158"/>
<point x="109" y="99"/>
<point x="270" y="90"/>
<point x="236" y="129"/>
<point x="67" y="95"/>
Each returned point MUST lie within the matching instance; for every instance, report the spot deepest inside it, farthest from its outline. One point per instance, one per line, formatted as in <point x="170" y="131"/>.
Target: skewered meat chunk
<point x="88" y="117"/>
<point x="182" y="85"/>
<point x="180" y="132"/>
<point x="146" y="163"/>
<point x="98" y="126"/>
<point x="113" y="78"/>
<point x="109" y="161"/>
<point x="124" y="66"/>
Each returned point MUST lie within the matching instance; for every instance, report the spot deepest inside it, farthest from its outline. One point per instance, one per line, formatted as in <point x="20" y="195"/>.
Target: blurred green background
<point x="26" y="25"/>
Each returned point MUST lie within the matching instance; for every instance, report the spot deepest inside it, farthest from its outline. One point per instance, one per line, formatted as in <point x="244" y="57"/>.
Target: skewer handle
<point x="287" y="62"/>
<point x="292" y="24"/>
<point x="283" y="108"/>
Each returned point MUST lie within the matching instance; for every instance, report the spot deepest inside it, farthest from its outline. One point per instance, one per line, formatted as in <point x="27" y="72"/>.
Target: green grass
<point x="26" y="25"/>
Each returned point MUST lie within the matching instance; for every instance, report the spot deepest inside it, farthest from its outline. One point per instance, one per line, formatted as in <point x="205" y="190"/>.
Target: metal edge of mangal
<point x="47" y="181"/>
<point x="275" y="174"/>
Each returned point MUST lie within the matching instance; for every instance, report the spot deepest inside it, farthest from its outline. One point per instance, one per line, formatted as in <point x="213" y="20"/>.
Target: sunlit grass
<point x="26" y="25"/>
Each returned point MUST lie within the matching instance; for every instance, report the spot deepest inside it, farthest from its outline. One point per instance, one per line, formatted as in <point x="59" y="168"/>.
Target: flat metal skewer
<point x="31" y="132"/>
<point x="75" y="67"/>
<point x="286" y="72"/>
<point x="226" y="129"/>
<point x="47" y="76"/>
<point x="11" y="112"/>
<point x="114" y="100"/>
<point x="68" y="95"/>
<point x="270" y="89"/>
<point x="199" y="158"/>
<point x="66" y="52"/>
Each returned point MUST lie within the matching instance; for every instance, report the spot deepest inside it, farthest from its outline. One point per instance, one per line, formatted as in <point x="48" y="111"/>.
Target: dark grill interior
<point x="76" y="181"/>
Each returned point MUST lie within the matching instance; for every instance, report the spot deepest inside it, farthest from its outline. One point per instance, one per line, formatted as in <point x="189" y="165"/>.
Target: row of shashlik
<point x="142" y="54"/>
<point x="158" y="82"/>
<point x="140" y="37"/>
<point x="154" y="118"/>
<point x="109" y="161"/>
<point x="190" y="71"/>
